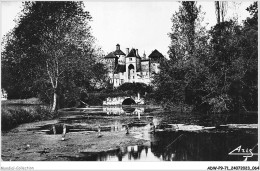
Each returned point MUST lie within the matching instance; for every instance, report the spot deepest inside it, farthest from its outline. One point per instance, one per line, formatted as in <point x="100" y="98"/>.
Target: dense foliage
<point x="51" y="54"/>
<point x="213" y="71"/>
<point x="126" y="89"/>
<point x="135" y="88"/>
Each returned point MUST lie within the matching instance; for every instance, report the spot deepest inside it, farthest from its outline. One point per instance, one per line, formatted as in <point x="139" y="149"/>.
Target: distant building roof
<point x="111" y="55"/>
<point x="133" y="53"/>
<point x="156" y="55"/>
<point x="119" y="52"/>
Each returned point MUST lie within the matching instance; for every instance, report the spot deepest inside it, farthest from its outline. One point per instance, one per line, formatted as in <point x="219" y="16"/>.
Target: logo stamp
<point x="245" y="152"/>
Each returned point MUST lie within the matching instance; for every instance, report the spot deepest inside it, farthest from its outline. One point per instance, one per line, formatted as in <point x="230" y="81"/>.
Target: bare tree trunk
<point x="54" y="82"/>
<point x="217" y="6"/>
<point x="223" y="9"/>
<point x="54" y="104"/>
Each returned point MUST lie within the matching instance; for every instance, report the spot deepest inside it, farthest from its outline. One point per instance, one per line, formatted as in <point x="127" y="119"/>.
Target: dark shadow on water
<point x="181" y="146"/>
<point x="202" y="146"/>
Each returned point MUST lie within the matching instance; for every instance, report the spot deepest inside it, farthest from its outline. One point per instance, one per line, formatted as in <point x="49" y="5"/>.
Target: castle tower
<point x="155" y="58"/>
<point x="127" y="51"/>
<point x="120" y="54"/>
<point x="145" y="65"/>
<point x="131" y="65"/>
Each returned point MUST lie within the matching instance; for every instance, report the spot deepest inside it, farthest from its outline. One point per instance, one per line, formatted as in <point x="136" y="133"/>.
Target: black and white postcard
<point x="129" y="85"/>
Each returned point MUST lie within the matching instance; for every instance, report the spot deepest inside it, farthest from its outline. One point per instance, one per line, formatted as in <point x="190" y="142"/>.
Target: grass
<point x="29" y="101"/>
<point x="16" y="112"/>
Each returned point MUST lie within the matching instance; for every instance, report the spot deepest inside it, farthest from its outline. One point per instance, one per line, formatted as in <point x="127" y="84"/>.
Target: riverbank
<point x="19" y="111"/>
<point x="21" y="144"/>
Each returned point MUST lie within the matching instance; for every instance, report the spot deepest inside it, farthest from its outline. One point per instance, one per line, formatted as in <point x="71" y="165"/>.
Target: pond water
<point x="189" y="147"/>
<point x="179" y="145"/>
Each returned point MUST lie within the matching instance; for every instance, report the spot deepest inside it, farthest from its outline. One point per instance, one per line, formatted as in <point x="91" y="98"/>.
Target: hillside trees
<point x="53" y="52"/>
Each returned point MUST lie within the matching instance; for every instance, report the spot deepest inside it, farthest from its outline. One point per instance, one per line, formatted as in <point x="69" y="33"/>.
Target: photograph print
<point x="129" y="81"/>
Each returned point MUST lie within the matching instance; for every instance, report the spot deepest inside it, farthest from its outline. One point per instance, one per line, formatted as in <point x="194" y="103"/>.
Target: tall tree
<point x="183" y="31"/>
<point x="221" y="10"/>
<point x="188" y="39"/>
<point x="54" y="40"/>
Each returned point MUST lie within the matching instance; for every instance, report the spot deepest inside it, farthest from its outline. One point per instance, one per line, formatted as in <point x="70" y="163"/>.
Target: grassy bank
<point x="15" y="112"/>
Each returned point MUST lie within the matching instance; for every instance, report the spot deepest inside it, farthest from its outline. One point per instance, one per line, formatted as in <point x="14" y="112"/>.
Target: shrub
<point x="135" y="88"/>
<point x="14" y="115"/>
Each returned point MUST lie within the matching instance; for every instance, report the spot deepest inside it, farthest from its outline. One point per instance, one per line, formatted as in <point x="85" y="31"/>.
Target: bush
<point x="220" y="104"/>
<point x="14" y="115"/>
<point x="135" y="88"/>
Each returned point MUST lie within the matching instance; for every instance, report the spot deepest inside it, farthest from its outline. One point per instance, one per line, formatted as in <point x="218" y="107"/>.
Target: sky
<point x="132" y="24"/>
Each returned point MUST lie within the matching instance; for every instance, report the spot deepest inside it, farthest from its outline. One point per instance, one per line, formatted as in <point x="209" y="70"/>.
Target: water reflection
<point x="181" y="118"/>
<point x="171" y="146"/>
<point x="120" y="110"/>
<point x="130" y="153"/>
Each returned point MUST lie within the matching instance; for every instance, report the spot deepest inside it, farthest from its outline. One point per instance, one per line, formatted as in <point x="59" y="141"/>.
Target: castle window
<point x="130" y="59"/>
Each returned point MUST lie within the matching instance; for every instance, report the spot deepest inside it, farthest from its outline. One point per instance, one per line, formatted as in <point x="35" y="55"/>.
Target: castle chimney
<point x="144" y="56"/>
<point x="117" y="47"/>
<point x="127" y="51"/>
<point x="136" y="52"/>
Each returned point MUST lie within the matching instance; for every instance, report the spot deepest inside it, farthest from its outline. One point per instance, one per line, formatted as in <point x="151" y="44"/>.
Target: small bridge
<point x="124" y="100"/>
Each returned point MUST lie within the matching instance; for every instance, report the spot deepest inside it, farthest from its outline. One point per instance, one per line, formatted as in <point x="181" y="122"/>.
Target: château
<point x="130" y="67"/>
